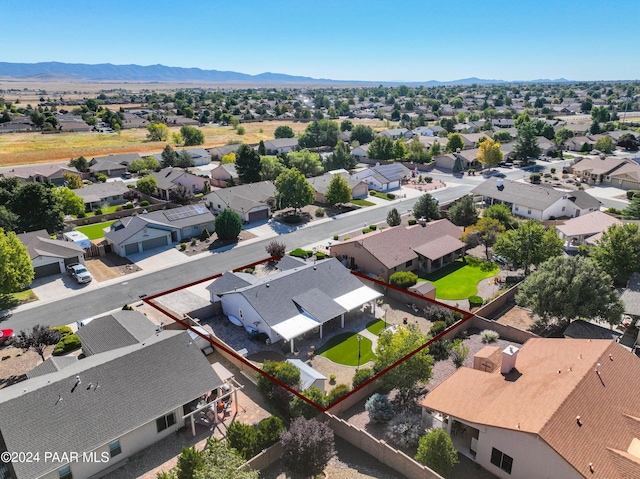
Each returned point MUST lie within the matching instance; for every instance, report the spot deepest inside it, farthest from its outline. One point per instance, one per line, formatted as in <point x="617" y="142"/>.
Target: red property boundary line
<point x="466" y="317"/>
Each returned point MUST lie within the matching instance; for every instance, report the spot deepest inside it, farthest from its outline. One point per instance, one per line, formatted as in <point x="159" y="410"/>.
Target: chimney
<point x="499" y="183"/>
<point x="509" y="356"/>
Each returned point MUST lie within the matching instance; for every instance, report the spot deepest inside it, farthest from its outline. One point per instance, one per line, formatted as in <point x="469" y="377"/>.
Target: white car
<point x="79" y="273"/>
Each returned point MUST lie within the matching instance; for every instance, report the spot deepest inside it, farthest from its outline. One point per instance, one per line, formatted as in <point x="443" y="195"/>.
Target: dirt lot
<point x="110" y="266"/>
<point x="14" y="364"/>
<point x="203" y="246"/>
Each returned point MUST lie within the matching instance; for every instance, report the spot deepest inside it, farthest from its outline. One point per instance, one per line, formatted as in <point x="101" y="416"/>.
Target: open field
<point x="25" y="148"/>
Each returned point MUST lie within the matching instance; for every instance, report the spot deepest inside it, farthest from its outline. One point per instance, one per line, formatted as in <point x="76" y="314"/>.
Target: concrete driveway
<point x="51" y="288"/>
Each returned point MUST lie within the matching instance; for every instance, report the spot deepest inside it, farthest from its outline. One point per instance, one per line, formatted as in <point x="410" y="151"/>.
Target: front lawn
<point x="459" y="280"/>
<point x="376" y="326"/>
<point x="25" y="296"/>
<point x="95" y="231"/>
<point x="343" y="349"/>
<point x="362" y="202"/>
<point x="110" y="209"/>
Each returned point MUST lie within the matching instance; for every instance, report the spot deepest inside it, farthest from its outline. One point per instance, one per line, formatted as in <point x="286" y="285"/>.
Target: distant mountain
<point x="50" y="71"/>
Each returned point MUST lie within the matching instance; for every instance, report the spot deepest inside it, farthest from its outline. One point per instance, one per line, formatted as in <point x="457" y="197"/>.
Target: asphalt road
<point x="115" y="296"/>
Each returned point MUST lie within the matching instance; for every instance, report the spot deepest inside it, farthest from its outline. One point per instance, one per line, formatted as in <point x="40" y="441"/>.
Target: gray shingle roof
<point x="115" y="330"/>
<point x="229" y="281"/>
<point x="242" y="198"/>
<point x="101" y="191"/>
<point x="39" y="243"/>
<point x="48" y="413"/>
<point x="122" y="159"/>
<point x="631" y="296"/>
<point x="539" y="197"/>
<point x="321" y="183"/>
<point x="51" y="365"/>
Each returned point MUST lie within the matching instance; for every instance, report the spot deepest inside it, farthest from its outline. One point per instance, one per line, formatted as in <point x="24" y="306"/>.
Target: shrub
<point x="613" y="211"/>
<point x="365" y="231"/>
<point x="276" y="249"/>
<point x="128" y="206"/>
<point x="436" y="451"/>
<point x="194" y="242"/>
<point x="269" y="431"/>
<point x="412" y="222"/>
<point x="243" y="438"/>
<point x="249" y="270"/>
<point x="437" y="328"/>
<point x="320" y="255"/>
<point x="489" y="336"/>
<point x="319" y="212"/>
<point x="362" y="376"/>
<point x="335" y="237"/>
<point x="391" y="196"/>
<point x="372" y="192"/>
<point x="204" y="236"/>
<point x="475" y="301"/>
<point x="307" y="446"/>
<point x="553" y="170"/>
<point x="346" y="239"/>
<point x="126" y="307"/>
<point x="403" y="279"/>
<point x="101" y="177"/>
<point x="373" y="227"/>
<point x="459" y="352"/>
<point x="97" y="212"/>
<point x="332" y="378"/>
<point x="63" y="330"/>
<point x="68" y="343"/>
<point x="144" y="203"/>
<point x="440" y="349"/>
<point x="632" y="193"/>
<point x="183" y="246"/>
<point x="404" y="430"/>
<point x="428" y="179"/>
<point x="82" y="214"/>
<point x="379" y="408"/>
<point x="301" y="253"/>
<point x="535" y="177"/>
<point x="337" y="392"/>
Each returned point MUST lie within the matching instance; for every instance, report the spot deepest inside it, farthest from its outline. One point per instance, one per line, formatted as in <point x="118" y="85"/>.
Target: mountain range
<point x="57" y="71"/>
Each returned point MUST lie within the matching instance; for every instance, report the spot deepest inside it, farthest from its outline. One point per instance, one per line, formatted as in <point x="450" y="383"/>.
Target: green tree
<point x="455" y="143"/>
<point x="463" y="212"/>
<point x="181" y="195"/>
<point x="529" y="245"/>
<point x="320" y="133"/>
<point x="271" y="167"/>
<point x="632" y="212"/>
<point x="70" y="203"/>
<point x="381" y="148"/>
<point x="247" y="164"/>
<point x="436" y="451"/>
<point x="189" y="462"/>
<point x="307" y="163"/>
<point x="488" y="230"/>
<point x="435" y="149"/>
<point x="604" y="144"/>
<point x="363" y="134"/>
<point x="284" y="131"/>
<point x="489" y="153"/>
<point x="191" y="135"/>
<point x="262" y="150"/>
<point x="563" y="134"/>
<point x="568" y="288"/>
<point x="16" y="269"/>
<point x="36" y="208"/>
<point x="228" y="158"/>
<point x="346" y="125"/>
<point x="527" y="145"/>
<point x="301" y="408"/>
<point x="502" y="213"/>
<point x="169" y="157"/>
<point x="338" y="191"/>
<point x="617" y="252"/>
<point x="147" y="185"/>
<point x="426" y="207"/>
<point x="8" y="219"/>
<point x="157" y="132"/>
<point x="502" y="136"/>
<point x="148" y="163"/>
<point x="399" y="148"/>
<point x="399" y="346"/>
<point x="243" y="438"/>
<point x="184" y="160"/>
<point x="403" y="279"/>
<point x="394" y="218"/>
<point x="228" y="225"/>
<point x="81" y="164"/>
<point x="293" y="190"/>
<point x="37" y="340"/>
<point x="72" y="181"/>
<point x="600" y="114"/>
<point x="285" y="373"/>
<point x="417" y="151"/>
<point x="307" y="447"/>
<point x="341" y="158"/>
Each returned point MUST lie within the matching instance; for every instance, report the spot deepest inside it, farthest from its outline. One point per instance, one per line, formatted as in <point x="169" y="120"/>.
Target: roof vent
<point x="499" y="183"/>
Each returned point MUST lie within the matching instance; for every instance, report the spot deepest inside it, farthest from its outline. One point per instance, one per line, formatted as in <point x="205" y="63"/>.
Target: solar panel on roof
<point x="185" y="212"/>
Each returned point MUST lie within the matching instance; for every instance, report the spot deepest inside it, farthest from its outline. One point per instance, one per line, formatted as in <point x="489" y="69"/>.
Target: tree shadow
<point x="7" y="303"/>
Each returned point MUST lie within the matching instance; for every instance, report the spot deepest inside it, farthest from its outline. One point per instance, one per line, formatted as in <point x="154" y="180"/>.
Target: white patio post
<point x="342" y="320"/>
<point x="292" y="345"/>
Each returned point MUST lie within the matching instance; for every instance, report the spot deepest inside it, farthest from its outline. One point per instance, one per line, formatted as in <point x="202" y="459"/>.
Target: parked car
<point x="6" y="335"/>
<point x="79" y="273"/>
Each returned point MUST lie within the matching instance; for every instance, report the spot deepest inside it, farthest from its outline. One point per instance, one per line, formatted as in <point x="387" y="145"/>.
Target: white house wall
<point x="532" y="457"/>
<point x="233" y="303"/>
<point x="46" y="260"/>
<point x="131" y="443"/>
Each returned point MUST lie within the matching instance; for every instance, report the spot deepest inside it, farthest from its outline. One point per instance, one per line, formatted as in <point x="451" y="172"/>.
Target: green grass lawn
<point x="376" y="326"/>
<point x="95" y="231"/>
<point x="110" y="209"/>
<point x="362" y="202"/>
<point x="459" y="280"/>
<point x="382" y="196"/>
<point x="343" y="349"/>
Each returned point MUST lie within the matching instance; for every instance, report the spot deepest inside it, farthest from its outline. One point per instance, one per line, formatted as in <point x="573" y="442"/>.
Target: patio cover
<point x="222" y="372"/>
<point x="357" y="297"/>
<point x="295" y="326"/>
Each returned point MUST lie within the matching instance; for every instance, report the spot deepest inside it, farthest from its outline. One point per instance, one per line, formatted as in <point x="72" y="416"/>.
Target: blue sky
<point x="400" y="40"/>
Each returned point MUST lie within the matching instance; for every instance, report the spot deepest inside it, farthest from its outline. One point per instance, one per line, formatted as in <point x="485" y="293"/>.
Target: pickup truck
<point x="79" y="273"/>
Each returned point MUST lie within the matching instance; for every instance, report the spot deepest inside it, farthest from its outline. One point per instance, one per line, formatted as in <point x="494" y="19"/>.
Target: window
<point x="165" y="421"/>
<point x="501" y="460"/>
<point x="563" y="208"/>
<point x="240" y="313"/>
<point x="529" y="212"/>
<point x="114" y="448"/>
<point x="408" y="263"/>
<point x="516" y="208"/>
<point x="65" y="472"/>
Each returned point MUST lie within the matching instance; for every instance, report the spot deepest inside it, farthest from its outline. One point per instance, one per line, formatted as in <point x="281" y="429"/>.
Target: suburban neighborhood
<point x="444" y="280"/>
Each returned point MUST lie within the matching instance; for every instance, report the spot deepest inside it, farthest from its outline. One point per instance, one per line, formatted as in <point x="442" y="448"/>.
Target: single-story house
<point x="421" y="247"/>
<point x="41" y="173"/>
<point x="72" y="124"/>
<point x="252" y="202"/>
<point x="50" y="256"/>
<point x="224" y="174"/>
<point x="359" y="188"/>
<point x="281" y="145"/>
<point x="585" y="229"/>
<point x="200" y="156"/>
<point x="432" y="130"/>
<point x="360" y="151"/>
<point x="170" y="177"/>
<point x="469" y="159"/>
<point x="112" y="165"/>
<point x="133" y="234"/>
<point x="309" y="377"/>
<point x="294" y="301"/>
<point x="577" y="143"/>
<point x="555" y="407"/>
<point x="395" y="133"/>
<point x="538" y="202"/>
<point x="96" y="194"/>
<point x="383" y="177"/>
<point x="219" y="151"/>
<point x="105" y="407"/>
<point x="618" y="172"/>
<point x="471" y="139"/>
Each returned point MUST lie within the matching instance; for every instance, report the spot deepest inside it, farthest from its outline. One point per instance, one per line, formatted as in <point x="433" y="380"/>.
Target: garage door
<point x="73" y="260"/>
<point x="154" y="243"/>
<point x="130" y="249"/>
<point x="258" y="215"/>
<point x="46" y="270"/>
